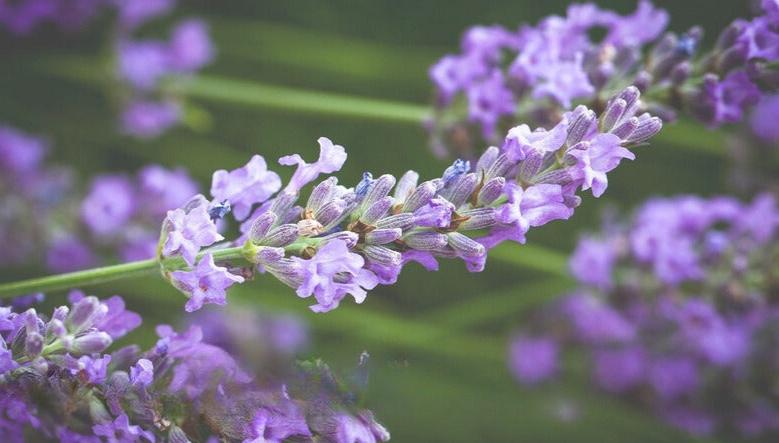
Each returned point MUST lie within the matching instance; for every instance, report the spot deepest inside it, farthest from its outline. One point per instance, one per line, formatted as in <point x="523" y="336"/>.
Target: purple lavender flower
<point x="166" y="189"/>
<point x="331" y="158"/>
<point x="205" y="284"/>
<point x="133" y="13"/>
<point x="673" y="377"/>
<point x="94" y="369"/>
<point x="109" y="204"/>
<point x="763" y="121"/>
<point x="143" y="63"/>
<point x="725" y="101"/>
<point x="488" y="101"/>
<point x="533" y="359"/>
<point x="244" y="187"/>
<point x="333" y="273"/>
<point x="190" y="46"/>
<point x="592" y="263"/>
<point x="142" y="373"/>
<point x="69" y="254"/>
<point x="644" y="25"/>
<point x="20" y="153"/>
<point x="619" y="370"/>
<point x="534" y="206"/>
<point x="121" y="431"/>
<point x="345" y="428"/>
<point x="149" y="119"/>
<point x="186" y="231"/>
<point x="603" y="155"/>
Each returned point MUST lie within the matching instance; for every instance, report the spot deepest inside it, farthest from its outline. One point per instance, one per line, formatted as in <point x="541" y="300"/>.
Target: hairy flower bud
<point x="425" y="240"/>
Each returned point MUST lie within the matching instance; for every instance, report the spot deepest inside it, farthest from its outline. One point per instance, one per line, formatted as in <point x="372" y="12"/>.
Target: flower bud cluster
<point x="345" y="241"/>
<point x="57" y="382"/>
<point x="538" y="72"/>
<point x="677" y="312"/>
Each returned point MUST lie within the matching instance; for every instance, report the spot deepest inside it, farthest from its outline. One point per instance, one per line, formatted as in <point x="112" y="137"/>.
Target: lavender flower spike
<point x="345" y="241"/>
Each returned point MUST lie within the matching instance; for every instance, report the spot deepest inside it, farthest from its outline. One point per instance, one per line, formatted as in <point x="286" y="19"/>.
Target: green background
<point x="437" y="340"/>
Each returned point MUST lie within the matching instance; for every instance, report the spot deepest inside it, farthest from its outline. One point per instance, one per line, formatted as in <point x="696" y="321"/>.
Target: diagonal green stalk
<point x="250" y="93"/>
<point x="105" y="274"/>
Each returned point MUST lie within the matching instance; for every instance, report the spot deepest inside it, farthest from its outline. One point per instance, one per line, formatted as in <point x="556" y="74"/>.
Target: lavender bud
<point x="261" y="225"/>
<point x="734" y="57"/>
<point x="730" y="35"/>
<point x="348" y="237"/>
<point x="60" y="313"/>
<point x="402" y="221"/>
<point x="287" y="271"/>
<point x="626" y="128"/>
<point x="499" y="168"/>
<point x="647" y="128"/>
<point x="680" y="73"/>
<point x="382" y="255"/>
<point x="580" y="127"/>
<point x="282" y="204"/>
<point x="91" y="342"/>
<point x="530" y="166"/>
<point x="491" y="190"/>
<point x="268" y="254"/>
<point x="383" y="236"/>
<point x="330" y="211"/>
<point x="487" y="159"/>
<point x="462" y="189"/>
<point x="177" y="435"/>
<point x="560" y="177"/>
<point x="631" y="95"/>
<point x="377" y="191"/>
<point x="321" y="194"/>
<point x="406" y="185"/>
<point x="281" y="236"/>
<point x="642" y="82"/>
<point x="613" y="114"/>
<point x="420" y="197"/>
<point x="33" y="344"/>
<point x="84" y="312"/>
<point x="478" y="219"/>
<point x="376" y="211"/>
<point x="425" y="240"/>
<point x="465" y="246"/>
<point x="55" y="328"/>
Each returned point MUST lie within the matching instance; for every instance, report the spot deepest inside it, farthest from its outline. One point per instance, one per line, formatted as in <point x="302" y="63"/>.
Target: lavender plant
<point x="59" y="383"/>
<point x="539" y="72"/>
<point x="677" y="312"/>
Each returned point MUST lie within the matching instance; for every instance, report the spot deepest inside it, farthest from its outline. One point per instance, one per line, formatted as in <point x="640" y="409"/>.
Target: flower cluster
<point x="677" y="312"/>
<point x="41" y="211"/>
<point x="345" y="241"/>
<point x="31" y="192"/>
<point x="21" y="18"/>
<point x="58" y="382"/>
<point x="539" y="72"/>
<point x="143" y="64"/>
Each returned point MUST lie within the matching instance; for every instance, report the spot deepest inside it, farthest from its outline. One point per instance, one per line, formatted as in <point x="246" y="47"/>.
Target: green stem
<point x="105" y="274"/>
<point x="292" y="99"/>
